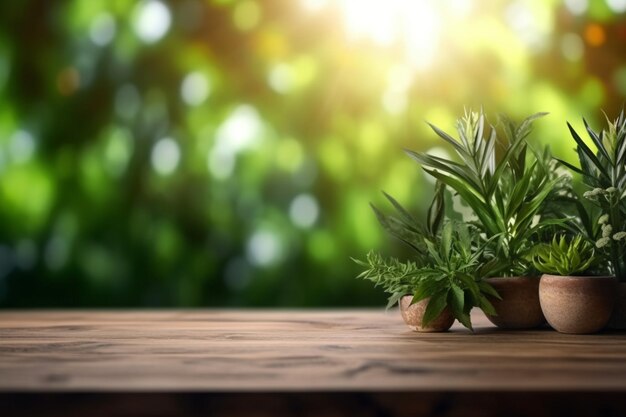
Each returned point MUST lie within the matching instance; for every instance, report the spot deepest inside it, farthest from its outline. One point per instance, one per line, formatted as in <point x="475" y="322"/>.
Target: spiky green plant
<point x="507" y="192"/>
<point x="561" y="257"/>
<point x="604" y="172"/>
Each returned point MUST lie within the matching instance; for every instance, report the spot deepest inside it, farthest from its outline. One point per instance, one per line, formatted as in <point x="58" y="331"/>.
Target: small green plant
<point x="604" y="172"/>
<point x="448" y="265"/>
<point x="564" y="258"/>
<point x="451" y="277"/>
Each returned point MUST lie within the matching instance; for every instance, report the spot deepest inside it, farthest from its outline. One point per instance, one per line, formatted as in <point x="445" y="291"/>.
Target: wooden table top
<point x="287" y="350"/>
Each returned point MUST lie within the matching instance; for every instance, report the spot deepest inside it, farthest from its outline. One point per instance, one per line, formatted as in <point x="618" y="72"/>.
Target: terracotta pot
<point x="577" y="305"/>
<point x="519" y="307"/>
<point x="618" y="318"/>
<point x="414" y="313"/>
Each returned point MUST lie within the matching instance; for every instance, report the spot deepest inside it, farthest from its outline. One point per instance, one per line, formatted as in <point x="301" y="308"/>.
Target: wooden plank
<point x="292" y="351"/>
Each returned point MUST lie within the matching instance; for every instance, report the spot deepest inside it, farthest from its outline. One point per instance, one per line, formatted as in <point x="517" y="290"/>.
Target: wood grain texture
<point x="292" y="351"/>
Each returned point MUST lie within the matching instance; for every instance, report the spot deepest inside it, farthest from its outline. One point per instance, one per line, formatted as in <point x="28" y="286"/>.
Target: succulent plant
<point x="561" y="257"/>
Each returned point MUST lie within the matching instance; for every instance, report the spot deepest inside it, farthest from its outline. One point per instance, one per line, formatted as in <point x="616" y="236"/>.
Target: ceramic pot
<point x="618" y="318"/>
<point x="414" y="313"/>
<point x="519" y="307"/>
<point x="577" y="305"/>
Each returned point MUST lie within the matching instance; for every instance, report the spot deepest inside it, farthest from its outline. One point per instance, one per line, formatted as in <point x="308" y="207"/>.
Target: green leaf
<point x="469" y="282"/>
<point x="465" y="320"/>
<point x="488" y="156"/>
<point x="519" y="193"/>
<point x="457" y="298"/>
<point x="406" y="217"/>
<point x="436" y="211"/>
<point x="450" y="167"/>
<point x="446" y="240"/>
<point x="447" y="138"/>
<point x="589" y="156"/>
<point x="488" y="289"/>
<point x="570" y="166"/>
<point x="503" y="164"/>
<point x="596" y="140"/>
<point x="394" y="298"/>
<point x="487" y="307"/>
<point x="422" y="291"/>
<point x="436" y="305"/>
<point x="398" y="230"/>
<point x="529" y="210"/>
<point x="480" y="208"/>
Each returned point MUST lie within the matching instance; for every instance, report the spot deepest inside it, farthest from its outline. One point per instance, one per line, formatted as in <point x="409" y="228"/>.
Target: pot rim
<point x="579" y="277"/>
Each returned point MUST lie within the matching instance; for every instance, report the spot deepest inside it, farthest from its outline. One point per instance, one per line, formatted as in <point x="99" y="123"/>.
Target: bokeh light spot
<point x="280" y="78"/>
<point x="152" y="20"/>
<point x="416" y="24"/>
<point x="118" y="151"/>
<point x="264" y="248"/>
<point x="247" y="15"/>
<point x="22" y="146"/>
<point x="221" y="163"/>
<point x="528" y="23"/>
<point x="195" y="88"/>
<point x="577" y="7"/>
<point x="572" y="47"/>
<point x="595" y="34"/>
<point x="165" y="156"/>
<point x="618" y="6"/>
<point x="102" y="30"/>
<point x="304" y="211"/>
<point x="241" y="130"/>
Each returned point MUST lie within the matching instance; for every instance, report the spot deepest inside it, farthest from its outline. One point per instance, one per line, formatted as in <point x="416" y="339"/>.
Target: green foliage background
<point x="250" y="186"/>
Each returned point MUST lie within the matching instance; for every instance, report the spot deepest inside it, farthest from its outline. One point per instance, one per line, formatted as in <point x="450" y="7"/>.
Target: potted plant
<point x="571" y="300"/>
<point x="443" y="281"/>
<point x="508" y="194"/>
<point x="604" y="172"/>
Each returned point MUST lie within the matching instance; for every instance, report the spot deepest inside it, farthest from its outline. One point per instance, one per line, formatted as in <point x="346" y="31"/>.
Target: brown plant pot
<point x="577" y="305"/>
<point x="618" y="318"/>
<point x="414" y="313"/>
<point x="519" y="307"/>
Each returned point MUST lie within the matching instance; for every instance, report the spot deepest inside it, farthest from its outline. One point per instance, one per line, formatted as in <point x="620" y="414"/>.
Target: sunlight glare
<point x="415" y="24"/>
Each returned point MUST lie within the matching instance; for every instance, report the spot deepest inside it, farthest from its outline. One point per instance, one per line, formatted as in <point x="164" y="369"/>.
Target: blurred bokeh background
<point x="223" y="152"/>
